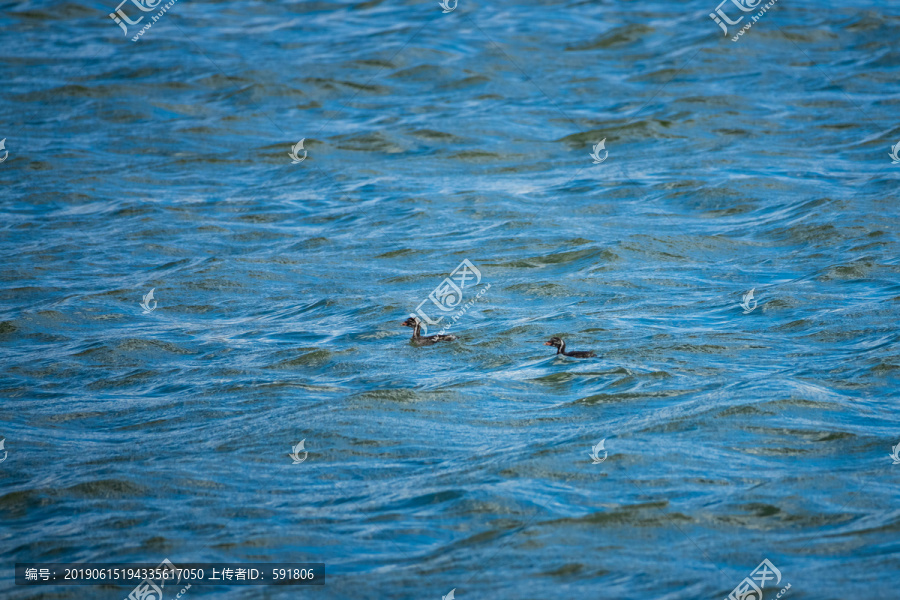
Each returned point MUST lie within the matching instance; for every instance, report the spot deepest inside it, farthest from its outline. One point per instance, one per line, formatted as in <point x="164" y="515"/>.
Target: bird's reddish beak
<point x="547" y="344"/>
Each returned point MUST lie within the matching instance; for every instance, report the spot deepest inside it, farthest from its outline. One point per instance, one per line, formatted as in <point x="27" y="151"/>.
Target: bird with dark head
<point x="421" y="340"/>
<point x="561" y="349"/>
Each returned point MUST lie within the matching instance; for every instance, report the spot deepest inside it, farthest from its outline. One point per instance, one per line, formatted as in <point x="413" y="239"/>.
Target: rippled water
<point x="433" y="138"/>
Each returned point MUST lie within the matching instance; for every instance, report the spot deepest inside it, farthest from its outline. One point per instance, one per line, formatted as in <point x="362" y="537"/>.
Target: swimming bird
<point x="419" y="340"/>
<point x="561" y="349"/>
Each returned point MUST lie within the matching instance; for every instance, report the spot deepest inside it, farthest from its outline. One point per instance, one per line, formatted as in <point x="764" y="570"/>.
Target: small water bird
<point x="561" y="349"/>
<point x="420" y="340"/>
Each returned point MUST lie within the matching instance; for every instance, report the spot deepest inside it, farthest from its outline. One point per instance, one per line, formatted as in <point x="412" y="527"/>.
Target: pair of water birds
<point x="422" y="340"/>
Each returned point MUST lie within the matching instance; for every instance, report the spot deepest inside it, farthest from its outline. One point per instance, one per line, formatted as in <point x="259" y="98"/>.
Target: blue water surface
<point x="430" y="138"/>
